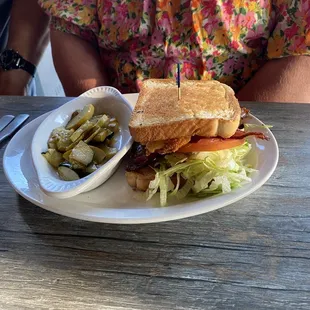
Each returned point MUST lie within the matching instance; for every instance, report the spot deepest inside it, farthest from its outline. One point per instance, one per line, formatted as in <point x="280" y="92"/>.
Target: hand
<point x="14" y="83"/>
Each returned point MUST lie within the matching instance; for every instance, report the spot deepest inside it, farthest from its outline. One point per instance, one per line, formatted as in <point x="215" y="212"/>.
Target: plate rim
<point x="144" y="220"/>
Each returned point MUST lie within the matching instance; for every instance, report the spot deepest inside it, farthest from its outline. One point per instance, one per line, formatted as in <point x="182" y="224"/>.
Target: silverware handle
<point x="13" y="126"/>
<point x="5" y="120"/>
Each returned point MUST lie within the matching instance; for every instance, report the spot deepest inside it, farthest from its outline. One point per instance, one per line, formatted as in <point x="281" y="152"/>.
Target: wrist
<point x="11" y="59"/>
<point x="14" y="82"/>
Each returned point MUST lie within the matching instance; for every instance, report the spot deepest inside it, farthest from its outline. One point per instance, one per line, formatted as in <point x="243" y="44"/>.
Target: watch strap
<point x="27" y="66"/>
<point x="11" y="59"/>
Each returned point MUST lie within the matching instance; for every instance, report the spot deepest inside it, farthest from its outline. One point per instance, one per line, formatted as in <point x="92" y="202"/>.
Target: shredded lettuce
<point x="175" y="158"/>
<point x="177" y="186"/>
<point x="201" y="174"/>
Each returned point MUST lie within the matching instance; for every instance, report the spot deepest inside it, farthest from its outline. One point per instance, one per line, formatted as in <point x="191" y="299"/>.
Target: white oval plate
<point x="114" y="201"/>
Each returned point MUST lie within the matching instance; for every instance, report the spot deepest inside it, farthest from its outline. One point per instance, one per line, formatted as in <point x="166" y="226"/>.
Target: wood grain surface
<point x="254" y="254"/>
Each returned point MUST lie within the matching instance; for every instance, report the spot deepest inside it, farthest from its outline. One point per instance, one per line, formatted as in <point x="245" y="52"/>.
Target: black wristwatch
<point x="11" y="59"/>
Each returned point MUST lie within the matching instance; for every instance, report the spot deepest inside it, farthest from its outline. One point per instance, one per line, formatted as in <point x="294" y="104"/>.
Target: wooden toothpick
<point x="179" y="82"/>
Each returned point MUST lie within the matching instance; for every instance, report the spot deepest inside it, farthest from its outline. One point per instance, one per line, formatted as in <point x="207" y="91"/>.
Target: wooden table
<point x="254" y="254"/>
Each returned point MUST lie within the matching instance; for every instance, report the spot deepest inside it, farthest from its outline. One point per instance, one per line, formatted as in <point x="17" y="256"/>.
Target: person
<point x="24" y="34"/>
<point x="259" y="47"/>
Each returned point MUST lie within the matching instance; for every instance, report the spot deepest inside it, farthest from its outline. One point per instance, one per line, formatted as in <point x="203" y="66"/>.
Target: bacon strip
<point x="241" y="135"/>
<point x="138" y="158"/>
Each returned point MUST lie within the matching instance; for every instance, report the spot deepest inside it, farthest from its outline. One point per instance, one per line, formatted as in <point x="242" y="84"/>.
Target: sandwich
<point x="188" y="145"/>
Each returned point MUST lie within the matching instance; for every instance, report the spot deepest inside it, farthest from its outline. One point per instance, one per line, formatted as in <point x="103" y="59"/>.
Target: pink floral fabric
<point x="226" y="40"/>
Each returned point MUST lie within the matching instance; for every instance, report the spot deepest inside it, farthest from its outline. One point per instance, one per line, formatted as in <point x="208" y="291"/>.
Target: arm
<point x="281" y="80"/>
<point x="77" y="63"/>
<point x="29" y="36"/>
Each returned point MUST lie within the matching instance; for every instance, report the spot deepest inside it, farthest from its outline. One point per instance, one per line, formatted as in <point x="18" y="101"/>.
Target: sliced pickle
<point x="74" y="144"/>
<point x="100" y="120"/>
<point x="52" y="144"/>
<point x="83" y="129"/>
<point x="63" y="144"/>
<point x="67" y="174"/>
<point x="74" y="114"/>
<point x="60" y="139"/>
<point x="82" y="117"/>
<point x="66" y="155"/>
<point x="82" y="153"/>
<point x="91" y="168"/>
<point x="103" y="134"/>
<point x="113" y="125"/>
<point x="99" y="154"/>
<point x="76" y="165"/>
<point x="109" y="151"/>
<point x="93" y="134"/>
<point x="53" y="157"/>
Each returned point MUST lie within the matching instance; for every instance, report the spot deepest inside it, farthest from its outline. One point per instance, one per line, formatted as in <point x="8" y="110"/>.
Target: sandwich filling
<point x="197" y="165"/>
<point x="199" y="144"/>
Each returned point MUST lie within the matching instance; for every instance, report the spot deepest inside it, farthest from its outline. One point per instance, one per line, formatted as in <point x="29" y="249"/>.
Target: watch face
<point x="9" y="59"/>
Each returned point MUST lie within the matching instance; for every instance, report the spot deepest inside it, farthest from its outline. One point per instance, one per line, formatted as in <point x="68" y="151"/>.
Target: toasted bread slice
<point x="206" y="108"/>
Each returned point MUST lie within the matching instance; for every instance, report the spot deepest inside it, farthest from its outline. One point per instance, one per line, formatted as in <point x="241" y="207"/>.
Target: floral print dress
<point x="226" y="40"/>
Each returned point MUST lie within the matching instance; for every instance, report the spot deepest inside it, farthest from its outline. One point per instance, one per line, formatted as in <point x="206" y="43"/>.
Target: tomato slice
<point x="210" y="144"/>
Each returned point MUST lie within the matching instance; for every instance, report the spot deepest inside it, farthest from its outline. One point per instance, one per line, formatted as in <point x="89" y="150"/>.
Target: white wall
<point x="47" y="81"/>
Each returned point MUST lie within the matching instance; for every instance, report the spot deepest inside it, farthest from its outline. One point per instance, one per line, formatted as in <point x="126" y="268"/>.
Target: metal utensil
<point x="8" y="126"/>
<point x="5" y="120"/>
